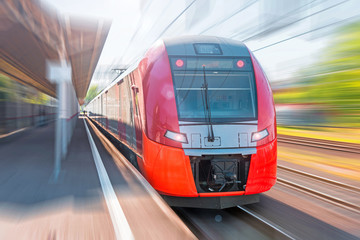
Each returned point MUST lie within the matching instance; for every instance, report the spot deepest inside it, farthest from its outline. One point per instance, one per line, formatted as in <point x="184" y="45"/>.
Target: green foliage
<point x="334" y="82"/>
<point x="5" y="88"/>
<point x="11" y="91"/>
<point x="38" y="98"/>
<point x="92" y="93"/>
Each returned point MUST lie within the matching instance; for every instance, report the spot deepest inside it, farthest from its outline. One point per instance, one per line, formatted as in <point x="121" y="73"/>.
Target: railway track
<point x="321" y="195"/>
<point x="257" y="221"/>
<point x="319" y="143"/>
<point x="219" y="224"/>
<point x="326" y="180"/>
<point x="267" y="222"/>
<point x="251" y="220"/>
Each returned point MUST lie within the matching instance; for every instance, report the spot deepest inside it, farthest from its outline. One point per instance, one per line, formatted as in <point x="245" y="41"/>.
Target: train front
<point x="222" y="150"/>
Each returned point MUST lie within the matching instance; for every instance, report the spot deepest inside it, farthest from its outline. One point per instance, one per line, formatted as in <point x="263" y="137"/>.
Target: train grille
<point x="220" y="173"/>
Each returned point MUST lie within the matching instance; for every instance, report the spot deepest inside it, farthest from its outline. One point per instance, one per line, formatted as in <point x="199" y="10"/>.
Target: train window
<point x="231" y="93"/>
<point x="211" y="63"/>
<point x="207" y="49"/>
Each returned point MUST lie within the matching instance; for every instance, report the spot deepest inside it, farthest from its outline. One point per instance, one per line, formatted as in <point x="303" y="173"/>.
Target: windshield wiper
<point x="207" y="110"/>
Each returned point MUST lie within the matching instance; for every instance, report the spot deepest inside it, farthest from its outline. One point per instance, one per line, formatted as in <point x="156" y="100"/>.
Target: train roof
<point x="187" y="45"/>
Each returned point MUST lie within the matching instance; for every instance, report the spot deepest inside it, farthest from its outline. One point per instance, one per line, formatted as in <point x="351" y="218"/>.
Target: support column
<point x="58" y="136"/>
<point x="60" y="73"/>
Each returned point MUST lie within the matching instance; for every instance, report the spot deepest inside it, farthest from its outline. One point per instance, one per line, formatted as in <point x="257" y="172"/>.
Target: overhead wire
<point x="291" y="13"/>
<point x="175" y="19"/>
<point x="250" y="3"/>
<point x="307" y="32"/>
<point x="170" y="24"/>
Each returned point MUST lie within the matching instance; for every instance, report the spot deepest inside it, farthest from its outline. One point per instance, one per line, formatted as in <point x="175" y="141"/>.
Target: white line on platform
<point x="121" y="226"/>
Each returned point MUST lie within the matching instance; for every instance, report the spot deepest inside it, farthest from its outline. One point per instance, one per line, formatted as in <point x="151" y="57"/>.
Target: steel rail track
<point x="317" y="143"/>
<point x="203" y="234"/>
<point x="267" y="222"/>
<point x="322" y="179"/>
<point x="323" y="196"/>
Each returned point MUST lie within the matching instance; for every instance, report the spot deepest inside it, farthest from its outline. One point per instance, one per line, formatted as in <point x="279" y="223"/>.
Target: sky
<point x="286" y="36"/>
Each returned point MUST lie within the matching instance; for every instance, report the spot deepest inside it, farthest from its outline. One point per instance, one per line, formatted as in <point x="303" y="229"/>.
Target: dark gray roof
<point x="184" y="45"/>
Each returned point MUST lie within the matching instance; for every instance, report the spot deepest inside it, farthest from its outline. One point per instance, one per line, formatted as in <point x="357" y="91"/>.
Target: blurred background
<point x="309" y="49"/>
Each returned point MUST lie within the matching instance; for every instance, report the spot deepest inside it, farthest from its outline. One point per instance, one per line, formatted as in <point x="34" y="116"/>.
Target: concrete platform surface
<point x="32" y="206"/>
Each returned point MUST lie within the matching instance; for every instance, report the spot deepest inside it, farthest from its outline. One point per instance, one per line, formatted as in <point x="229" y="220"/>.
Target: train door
<point x="131" y="129"/>
<point x="136" y="113"/>
<point x="101" y="109"/>
<point x="106" y="114"/>
<point x="98" y="109"/>
<point x="122" y="111"/>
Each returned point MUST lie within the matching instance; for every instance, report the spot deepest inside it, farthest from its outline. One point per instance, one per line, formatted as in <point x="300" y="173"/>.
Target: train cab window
<point x="227" y="84"/>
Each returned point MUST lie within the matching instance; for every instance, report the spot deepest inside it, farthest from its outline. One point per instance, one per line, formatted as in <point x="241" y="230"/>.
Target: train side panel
<point x="159" y="97"/>
<point x="141" y="108"/>
<point x="262" y="172"/>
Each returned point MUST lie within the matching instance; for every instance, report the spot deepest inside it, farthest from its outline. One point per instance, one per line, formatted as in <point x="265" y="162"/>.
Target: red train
<point x="198" y="117"/>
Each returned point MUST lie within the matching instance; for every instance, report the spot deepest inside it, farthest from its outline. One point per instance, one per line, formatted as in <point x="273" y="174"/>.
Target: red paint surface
<point x="159" y="96"/>
<point x="221" y="194"/>
<point x="262" y="172"/>
<point x="266" y="106"/>
<point x="163" y="162"/>
<point x="167" y="169"/>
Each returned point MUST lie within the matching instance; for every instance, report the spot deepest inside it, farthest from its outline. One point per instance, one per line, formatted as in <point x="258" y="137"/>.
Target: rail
<point x="323" y="196"/>
<point x="326" y="180"/>
<point x="267" y="222"/>
<point x="319" y="143"/>
<point x="203" y="226"/>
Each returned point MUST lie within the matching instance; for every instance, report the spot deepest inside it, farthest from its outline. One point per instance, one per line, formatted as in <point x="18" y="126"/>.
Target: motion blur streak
<point x="120" y="224"/>
<point x="309" y="50"/>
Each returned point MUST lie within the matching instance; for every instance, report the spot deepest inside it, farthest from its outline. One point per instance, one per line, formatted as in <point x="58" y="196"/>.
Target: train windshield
<point x="225" y="87"/>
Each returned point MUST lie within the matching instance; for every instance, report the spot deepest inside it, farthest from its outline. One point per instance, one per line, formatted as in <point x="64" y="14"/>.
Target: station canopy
<point x="31" y="34"/>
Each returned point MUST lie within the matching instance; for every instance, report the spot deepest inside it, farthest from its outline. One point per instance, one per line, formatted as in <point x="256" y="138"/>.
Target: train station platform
<point x="80" y="204"/>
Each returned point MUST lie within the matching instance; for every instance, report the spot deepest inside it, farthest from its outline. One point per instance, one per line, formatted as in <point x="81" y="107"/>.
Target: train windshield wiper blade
<point x="207" y="110"/>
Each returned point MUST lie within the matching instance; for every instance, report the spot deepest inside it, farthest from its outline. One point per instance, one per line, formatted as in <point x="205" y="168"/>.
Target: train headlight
<point x="179" y="63"/>
<point x="240" y="63"/>
<point x="257" y="136"/>
<point x="179" y="137"/>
